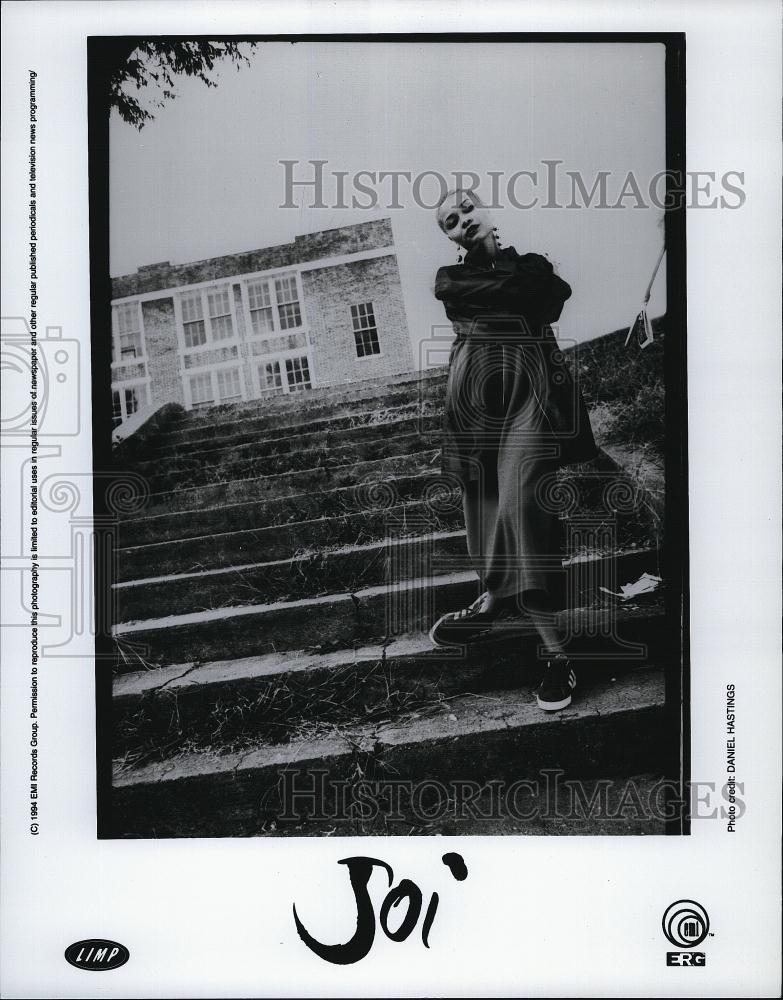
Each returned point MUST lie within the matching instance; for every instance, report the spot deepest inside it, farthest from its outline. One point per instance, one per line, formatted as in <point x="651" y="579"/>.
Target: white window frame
<point x="228" y="368"/>
<point x="193" y="354"/>
<point x="189" y="388"/>
<point x="263" y="391"/>
<point x="142" y="384"/>
<point x="281" y="357"/>
<point x="283" y="368"/>
<point x="211" y="343"/>
<point x="242" y="334"/>
<point x="212" y="370"/>
<point x="115" y="334"/>
<point x="354" y="331"/>
<point x="277" y="331"/>
<point x="304" y="350"/>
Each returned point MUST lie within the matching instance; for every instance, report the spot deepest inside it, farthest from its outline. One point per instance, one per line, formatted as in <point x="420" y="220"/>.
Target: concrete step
<point x="307" y="432"/>
<point x="274" y="695"/>
<point x="331" y="621"/>
<point x="319" y="402"/>
<point x="335" y="568"/>
<point x="381" y="511"/>
<point x="181" y="498"/>
<point x="612" y="728"/>
<point x="228" y="421"/>
<point x="304" y="450"/>
<point x="342" y="620"/>
<point x="282" y="541"/>
<point x="308" y="559"/>
<point x="372" y="494"/>
<point x="377" y="486"/>
<point x="163" y="477"/>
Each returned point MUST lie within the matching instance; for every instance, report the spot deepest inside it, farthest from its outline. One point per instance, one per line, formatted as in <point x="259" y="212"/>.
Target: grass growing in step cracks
<point x="350" y="706"/>
<point x="625" y="512"/>
<point x="625" y="507"/>
<point x="291" y="708"/>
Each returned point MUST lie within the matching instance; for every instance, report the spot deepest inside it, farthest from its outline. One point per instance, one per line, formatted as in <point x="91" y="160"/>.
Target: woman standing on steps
<point x="512" y="416"/>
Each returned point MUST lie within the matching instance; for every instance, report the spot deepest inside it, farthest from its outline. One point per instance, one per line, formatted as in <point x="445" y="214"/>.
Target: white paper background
<point x="546" y="917"/>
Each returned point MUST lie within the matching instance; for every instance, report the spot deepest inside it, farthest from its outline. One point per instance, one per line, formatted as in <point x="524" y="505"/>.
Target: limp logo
<point x="685" y="923"/>
<point x="97" y="955"/>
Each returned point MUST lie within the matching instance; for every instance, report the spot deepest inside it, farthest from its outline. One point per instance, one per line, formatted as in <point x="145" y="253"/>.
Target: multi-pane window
<point x="229" y="384"/>
<point x="280" y="375"/>
<point x="131" y="401"/>
<point x="288" y="302"/>
<point x="201" y="391"/>
<point x="265" y="310"/>
<point x="270" y="379"/>
<point x="206" y="316"/>
<point x="125" y="402"/>
<point x="260" y="302"/>
<point x="218" y="386"/>
<point x="274" y="304"/>
<point x="220" y="313"/>
<point x="193" y="325"/>
<point x="365" y="330"/>
<point x="298" y="374"/>
<point x="127" y="343"/>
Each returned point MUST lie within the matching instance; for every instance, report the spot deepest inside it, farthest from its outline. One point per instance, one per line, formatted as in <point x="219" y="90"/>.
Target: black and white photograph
<point x="390" y="448"/>
<point x="396" y="367"/>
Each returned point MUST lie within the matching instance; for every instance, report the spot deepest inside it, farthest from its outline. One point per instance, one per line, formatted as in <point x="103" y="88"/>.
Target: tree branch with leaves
<point x="140" y="75"/>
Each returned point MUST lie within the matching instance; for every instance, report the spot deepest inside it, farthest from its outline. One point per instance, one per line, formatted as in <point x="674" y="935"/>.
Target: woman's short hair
<point x="455" y="191"/>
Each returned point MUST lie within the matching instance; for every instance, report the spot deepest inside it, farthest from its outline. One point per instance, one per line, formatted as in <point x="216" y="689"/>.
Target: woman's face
<point x="463" y="221"/>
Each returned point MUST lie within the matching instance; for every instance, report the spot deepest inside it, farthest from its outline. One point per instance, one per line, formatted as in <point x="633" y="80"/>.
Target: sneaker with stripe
<point x="557" y="686"/>
<point x="458" y="628"/>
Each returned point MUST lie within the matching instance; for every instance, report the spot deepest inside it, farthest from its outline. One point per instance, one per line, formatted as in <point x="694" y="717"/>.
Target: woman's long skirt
<point x="500" y="445"/>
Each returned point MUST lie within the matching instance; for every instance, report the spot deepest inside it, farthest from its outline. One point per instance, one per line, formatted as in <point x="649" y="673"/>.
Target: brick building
<point x="322" y="310"/>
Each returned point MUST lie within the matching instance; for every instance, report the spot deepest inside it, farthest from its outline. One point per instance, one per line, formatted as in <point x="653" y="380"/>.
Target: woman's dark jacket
<point x="506" y="369"/>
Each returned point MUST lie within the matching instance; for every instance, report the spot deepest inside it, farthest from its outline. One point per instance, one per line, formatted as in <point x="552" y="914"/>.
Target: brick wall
<point x="312" y="246"/>
<point x="160" y="332"/>
<point x="329" y="294"/>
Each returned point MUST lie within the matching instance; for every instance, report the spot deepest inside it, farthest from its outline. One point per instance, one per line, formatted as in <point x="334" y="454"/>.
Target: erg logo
<point x="685" y="924"/>
<point x="686" y="958"/>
